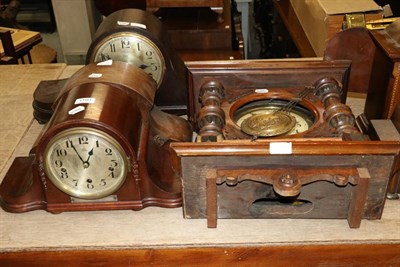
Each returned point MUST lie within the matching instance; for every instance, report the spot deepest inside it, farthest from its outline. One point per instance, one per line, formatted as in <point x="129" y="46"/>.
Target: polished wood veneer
<point x="279" y="255"/>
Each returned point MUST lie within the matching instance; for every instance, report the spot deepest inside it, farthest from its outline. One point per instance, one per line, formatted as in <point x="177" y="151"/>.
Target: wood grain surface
<point x="278" y="256"/>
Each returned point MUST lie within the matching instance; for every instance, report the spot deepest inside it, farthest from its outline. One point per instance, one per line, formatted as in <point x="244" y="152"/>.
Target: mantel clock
<point x="139" y="38"/>
<point x="105" y="147"/>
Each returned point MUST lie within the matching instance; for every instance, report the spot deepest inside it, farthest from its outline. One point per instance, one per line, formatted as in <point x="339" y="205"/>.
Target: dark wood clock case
<point x="171" y="96"/>
<point x="329" y="171"/>
<point x="125" y="110"/>
<point x="172" y="92"/>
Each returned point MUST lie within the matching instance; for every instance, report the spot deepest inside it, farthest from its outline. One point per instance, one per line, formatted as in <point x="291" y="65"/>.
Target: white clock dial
<point x="133" y="49"/>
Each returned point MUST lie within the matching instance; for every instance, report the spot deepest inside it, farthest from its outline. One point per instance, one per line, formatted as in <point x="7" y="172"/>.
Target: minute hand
<point x="76" y="152"/>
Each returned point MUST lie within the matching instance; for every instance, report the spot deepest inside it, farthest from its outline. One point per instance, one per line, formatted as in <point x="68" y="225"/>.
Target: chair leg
<point x="8" y="46"/>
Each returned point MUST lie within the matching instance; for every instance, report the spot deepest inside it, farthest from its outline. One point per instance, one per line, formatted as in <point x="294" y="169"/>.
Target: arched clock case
<point x="276" y="140"/>
<point x="105" y="147"/>
<point x="139" y="38"/>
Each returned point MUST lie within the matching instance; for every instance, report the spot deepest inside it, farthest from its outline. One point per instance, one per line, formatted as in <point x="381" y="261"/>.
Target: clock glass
<point x="134" y="49"/>
<point x="269" y="116"/>
<point x="85" y="163"/>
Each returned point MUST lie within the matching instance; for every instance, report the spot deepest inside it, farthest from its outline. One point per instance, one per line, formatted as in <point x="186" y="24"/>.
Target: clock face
<point x="266" y="116"/>
<point x="85" y="163"/>
<point x="134" y="49"/>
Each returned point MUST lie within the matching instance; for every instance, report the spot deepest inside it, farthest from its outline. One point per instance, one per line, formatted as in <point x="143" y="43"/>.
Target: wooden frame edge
<point x="386" y="254"/>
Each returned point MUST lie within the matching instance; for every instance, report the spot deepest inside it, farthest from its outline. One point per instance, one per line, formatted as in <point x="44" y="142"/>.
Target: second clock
<point x="139" y="38"/>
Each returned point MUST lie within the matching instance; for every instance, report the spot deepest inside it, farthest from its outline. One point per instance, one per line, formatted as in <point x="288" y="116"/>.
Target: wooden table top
<point x="162" y="235"/>
<point x="22" y="39"/>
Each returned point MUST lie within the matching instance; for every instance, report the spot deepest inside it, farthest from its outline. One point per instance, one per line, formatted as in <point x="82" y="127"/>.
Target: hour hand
<point x="86" y="163"/>
<point x="143" y="66"/>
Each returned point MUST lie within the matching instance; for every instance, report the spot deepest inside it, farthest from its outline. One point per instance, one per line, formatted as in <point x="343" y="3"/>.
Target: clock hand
<point x="90" y="153"/>
<point x="76" y="151"/>
<point x="86" y="163"/>
<point x="142" y="66"/>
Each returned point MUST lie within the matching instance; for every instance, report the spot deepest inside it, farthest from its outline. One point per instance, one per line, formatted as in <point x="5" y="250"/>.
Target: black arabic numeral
<point x="154" y="67"/>
<point x="69" y="143"/>
<point x="61" y="152"/>
<point x="108" y="151"/>
<point x="114" y="163"/>
<point x="149" y="54"/>
<point x="112" y="48"/>
<point x="58" y="163"/>
<point x="83" y="140"/>
<point x="104" y="56"/>
<point x="64" y="173"/>
<point x="125" y="44"/>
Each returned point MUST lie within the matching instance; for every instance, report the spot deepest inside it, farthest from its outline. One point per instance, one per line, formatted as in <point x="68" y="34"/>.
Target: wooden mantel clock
<point x="139" y="38"/>
<point x="105" y="147"/>
<point x="277" y="141"/>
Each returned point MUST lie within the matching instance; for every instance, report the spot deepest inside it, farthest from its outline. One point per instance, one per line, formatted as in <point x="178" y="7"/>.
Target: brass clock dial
<point x="264" y="118"/>
<point x="134" y="49"/>
<point x="85" y="163"/>
<point x="268" y="124"/>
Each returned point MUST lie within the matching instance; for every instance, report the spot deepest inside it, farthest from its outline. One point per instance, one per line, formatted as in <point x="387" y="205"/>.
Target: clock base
<point x="319" y="179"/>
